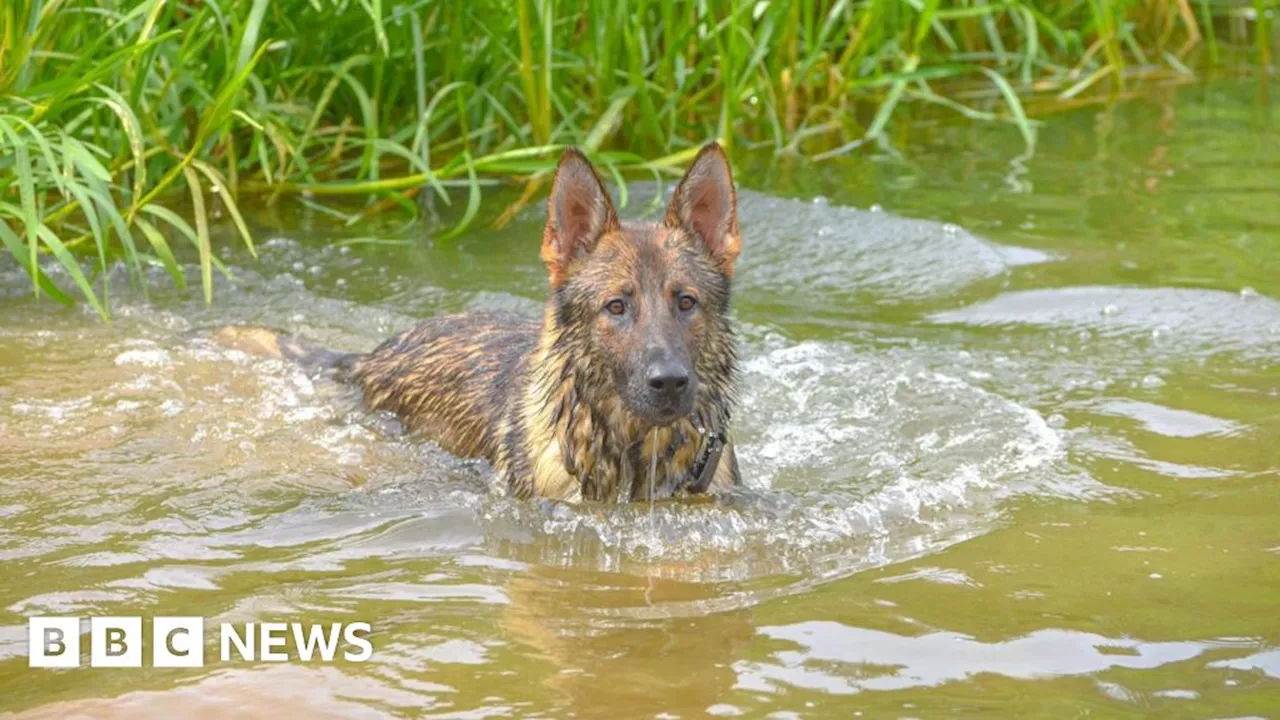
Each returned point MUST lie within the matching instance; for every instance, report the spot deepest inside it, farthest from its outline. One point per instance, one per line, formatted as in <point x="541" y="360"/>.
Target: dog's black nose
<point x="668" y="379"/>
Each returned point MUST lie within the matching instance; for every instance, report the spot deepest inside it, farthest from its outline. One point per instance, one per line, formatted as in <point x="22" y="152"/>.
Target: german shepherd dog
<point x="622" y="392"/>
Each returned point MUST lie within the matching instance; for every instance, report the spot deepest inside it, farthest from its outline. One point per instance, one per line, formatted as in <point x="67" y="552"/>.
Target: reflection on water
<point x="888" y="661"/>
<point x="1267" y="662"/>
<point x="1021" y="447"/>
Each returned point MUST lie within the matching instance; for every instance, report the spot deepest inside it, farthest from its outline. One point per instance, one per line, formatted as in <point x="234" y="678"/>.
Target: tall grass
<point x="111" y="109"/>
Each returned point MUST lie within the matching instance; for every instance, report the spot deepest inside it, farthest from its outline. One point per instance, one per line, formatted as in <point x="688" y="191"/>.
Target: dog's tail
<point x="265" y="342"/>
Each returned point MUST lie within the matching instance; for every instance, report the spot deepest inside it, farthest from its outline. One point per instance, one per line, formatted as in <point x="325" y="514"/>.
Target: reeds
<point x="110" y="109"/>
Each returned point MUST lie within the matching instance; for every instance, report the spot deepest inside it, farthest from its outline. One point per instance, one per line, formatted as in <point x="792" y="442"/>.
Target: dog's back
<point x="450" y="377"/>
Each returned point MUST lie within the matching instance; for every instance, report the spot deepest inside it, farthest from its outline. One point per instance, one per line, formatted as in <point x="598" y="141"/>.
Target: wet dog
<point x="622" y="392"/>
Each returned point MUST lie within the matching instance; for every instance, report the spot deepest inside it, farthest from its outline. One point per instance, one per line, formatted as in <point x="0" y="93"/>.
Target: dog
<point x="624" y="390"/>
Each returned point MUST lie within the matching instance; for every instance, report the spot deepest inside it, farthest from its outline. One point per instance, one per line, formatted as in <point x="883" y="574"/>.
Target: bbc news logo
<point x="117" y="642"/>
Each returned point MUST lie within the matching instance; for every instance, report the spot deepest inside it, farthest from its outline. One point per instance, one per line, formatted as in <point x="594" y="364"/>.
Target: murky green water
<point x="1019" y="456"/>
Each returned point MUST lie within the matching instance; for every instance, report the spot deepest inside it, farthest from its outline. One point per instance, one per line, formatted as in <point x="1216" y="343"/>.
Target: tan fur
<point x="249" y="339"/>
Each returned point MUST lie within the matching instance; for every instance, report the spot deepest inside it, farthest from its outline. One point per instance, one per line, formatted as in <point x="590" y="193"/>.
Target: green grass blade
<point x="1015" y="108"/>
<point x="72" y="267"/>
<point x="473" y="200"/>
<point x="224" y="192"/>
<point x="174" y="221"/>
<point x="91" y="214"/>
<point x="133" y="129"/>
<point x="202" y="232"/>
<point x="26" y="198"/>
<point x="886" y="109"/>
<point x="608" y="121"/>
<point x="163" y="251"/>
<point x="18" y="250"/>
<point x="249" y="38"/>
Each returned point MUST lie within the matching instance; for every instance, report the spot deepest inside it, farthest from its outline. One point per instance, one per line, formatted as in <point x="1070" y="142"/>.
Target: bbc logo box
<point x="54" y="642"/>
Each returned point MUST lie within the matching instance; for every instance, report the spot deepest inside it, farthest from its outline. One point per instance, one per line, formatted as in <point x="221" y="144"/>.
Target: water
<point x="1010" y="430"/>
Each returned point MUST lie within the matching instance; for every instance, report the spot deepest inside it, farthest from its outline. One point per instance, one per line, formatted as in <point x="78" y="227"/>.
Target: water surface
<point x="1010" y="429"/>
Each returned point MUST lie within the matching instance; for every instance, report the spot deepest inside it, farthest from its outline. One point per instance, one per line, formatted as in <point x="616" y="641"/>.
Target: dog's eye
<point x="687" y="302"/>
<point x="615" y="307"/>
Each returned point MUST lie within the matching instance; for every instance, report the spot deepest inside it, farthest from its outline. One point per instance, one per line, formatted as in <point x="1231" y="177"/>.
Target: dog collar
<point x="704" y="470"/>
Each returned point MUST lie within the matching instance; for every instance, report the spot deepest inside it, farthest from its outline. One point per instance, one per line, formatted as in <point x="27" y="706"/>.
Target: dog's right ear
<point x="578" y="213"/>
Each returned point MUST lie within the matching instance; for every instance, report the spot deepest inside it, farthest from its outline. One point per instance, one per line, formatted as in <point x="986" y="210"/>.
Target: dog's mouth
<point x="659" y="411"/>
<point x="664" y="416"/>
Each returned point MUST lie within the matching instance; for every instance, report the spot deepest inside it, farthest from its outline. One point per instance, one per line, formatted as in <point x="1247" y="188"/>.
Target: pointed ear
<point x="706" y="205"/>
<point x="578" y="213"/>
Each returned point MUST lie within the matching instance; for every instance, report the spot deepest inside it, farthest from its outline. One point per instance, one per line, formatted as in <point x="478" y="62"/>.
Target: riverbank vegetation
<point x="113" y="112"/>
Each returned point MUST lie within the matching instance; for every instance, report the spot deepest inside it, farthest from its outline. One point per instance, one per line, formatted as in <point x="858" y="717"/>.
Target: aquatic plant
<point x="111" y="109"/>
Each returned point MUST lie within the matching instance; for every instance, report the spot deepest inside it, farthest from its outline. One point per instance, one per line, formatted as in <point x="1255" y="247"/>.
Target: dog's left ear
<point x="706" y="205"/>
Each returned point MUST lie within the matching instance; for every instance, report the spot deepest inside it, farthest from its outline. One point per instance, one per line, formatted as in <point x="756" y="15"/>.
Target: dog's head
<point x="647" y="303"/>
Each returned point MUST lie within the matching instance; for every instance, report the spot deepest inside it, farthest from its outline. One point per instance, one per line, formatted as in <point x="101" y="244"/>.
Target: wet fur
<point x="543" y="401"/>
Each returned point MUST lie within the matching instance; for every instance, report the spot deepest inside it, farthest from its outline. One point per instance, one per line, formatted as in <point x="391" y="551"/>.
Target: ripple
<point x="852" y="458"/>
<point x="1169" y="422"/>
<point x="841" y="659"/>
<point x="1166" y="320"/>
<point x="838" y="253"/>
